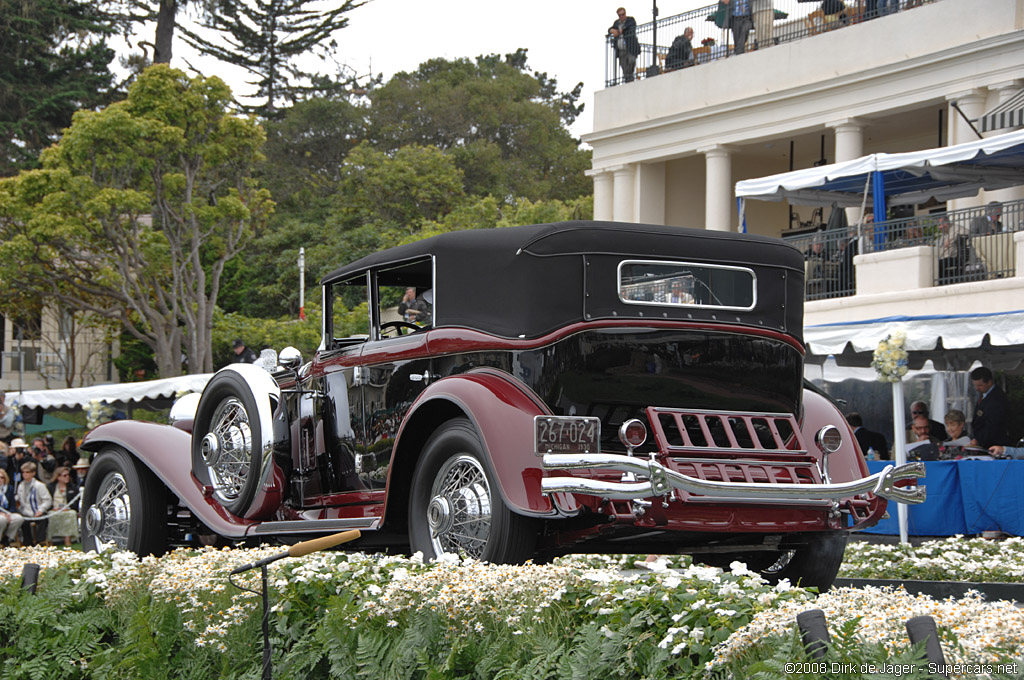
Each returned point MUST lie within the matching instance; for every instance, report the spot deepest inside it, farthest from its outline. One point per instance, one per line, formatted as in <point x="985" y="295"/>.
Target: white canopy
<point x="77" y="397"/>
<point x="950" y="341"/>
<point x="913" y="177"/>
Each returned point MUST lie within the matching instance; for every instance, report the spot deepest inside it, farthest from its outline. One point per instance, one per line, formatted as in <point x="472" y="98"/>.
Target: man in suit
<point x="989" y="424"/>
<point x="868" y="439"/>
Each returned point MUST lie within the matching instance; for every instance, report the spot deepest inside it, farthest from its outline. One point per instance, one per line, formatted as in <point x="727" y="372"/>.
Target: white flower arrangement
<point x="97" y="413"/>
<point x="890" y="358"/>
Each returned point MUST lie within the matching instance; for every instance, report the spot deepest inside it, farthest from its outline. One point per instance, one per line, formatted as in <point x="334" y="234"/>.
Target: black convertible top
<point x="527" y="281"/>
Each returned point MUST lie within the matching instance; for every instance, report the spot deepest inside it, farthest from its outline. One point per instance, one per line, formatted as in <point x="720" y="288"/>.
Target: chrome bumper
<point x="660" y="481"/>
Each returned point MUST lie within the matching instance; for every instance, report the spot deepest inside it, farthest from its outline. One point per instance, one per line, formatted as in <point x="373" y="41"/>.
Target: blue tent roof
<point x="905" y="178"/>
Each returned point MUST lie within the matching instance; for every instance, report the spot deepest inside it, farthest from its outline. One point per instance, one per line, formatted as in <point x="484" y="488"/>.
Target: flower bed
<point x="974" y="560"/>
<point x="357" y="615"/>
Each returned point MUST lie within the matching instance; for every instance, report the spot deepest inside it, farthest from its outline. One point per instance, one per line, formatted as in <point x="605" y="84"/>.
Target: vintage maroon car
<point x="582" y="386"/>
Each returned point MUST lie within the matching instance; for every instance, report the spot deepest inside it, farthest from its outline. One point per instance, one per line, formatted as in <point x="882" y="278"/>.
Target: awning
<point x="77" y="397"/>
<point x="1008" y="114"/>
<point x="951" y="342"/>
<point x="50" y="424"/>
<point x="906" y="178"/>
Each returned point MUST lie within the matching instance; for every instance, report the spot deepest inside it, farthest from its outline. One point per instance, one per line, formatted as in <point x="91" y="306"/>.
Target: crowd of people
<point x="39" y="491"/>
<point x="986" y="435"/>
<point x="741" y="18"/>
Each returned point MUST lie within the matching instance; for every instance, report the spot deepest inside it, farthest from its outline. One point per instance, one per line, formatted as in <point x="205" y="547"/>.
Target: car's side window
<point x="350" y="317"/>
<point x="405" y="299"/>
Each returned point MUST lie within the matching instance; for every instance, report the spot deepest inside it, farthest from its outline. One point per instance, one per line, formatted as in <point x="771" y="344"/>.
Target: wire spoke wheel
<point x="109" y="519"/>
<point x="459" y="514"/>
<point x="227" y="449"/>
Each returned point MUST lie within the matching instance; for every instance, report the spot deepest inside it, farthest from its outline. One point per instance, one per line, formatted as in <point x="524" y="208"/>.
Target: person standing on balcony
<point x="741" y="22"/>
<point x="764" y="21"/>
<point x="888" y="7"/>
<point x="988" y="426"/>
<point x="627" y="47"/>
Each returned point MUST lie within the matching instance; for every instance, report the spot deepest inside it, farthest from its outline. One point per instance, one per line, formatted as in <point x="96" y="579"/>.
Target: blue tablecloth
<point x="964" y="497"/>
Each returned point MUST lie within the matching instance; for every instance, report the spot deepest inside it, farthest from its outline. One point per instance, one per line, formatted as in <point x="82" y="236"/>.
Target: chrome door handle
<point x="425" y="378"/>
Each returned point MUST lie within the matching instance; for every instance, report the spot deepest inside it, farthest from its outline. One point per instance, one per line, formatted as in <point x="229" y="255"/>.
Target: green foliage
<point x="53" y="61"/>
<point x="502" y="125"/>
<point x="137" y="210"/>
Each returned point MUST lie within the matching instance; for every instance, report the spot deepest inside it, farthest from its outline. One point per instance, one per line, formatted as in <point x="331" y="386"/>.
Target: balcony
<point x="941" y="248"/>
<point x="793" y="20"/>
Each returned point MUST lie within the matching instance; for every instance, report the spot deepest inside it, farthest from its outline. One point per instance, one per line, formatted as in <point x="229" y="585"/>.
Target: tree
<point x="53" y="61"/>
<point x="136" y="211"/>
<point x="505" y="127"/>
<point x="265" y="36"/>
<point x="128" y="14"/>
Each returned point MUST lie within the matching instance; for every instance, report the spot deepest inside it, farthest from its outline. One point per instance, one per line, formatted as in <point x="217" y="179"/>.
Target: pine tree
<point x="265" y="36"/>
<point x="53" y="61"/>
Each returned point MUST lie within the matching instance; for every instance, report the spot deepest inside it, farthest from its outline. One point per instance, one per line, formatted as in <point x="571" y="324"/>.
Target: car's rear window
<point x="686" y="284"/>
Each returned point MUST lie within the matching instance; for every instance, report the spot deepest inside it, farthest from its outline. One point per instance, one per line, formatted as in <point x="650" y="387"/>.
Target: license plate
<point x="566" y="434"/>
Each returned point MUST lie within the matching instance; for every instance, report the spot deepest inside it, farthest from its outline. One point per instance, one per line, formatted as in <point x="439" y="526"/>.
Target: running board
<point x="314" y="526"/>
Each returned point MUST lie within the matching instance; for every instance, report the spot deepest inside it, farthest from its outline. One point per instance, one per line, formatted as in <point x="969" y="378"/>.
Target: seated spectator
<point x="956" y="426"/>
<point x="952" y="244"/>
<point x="935" y="429"/>
<point x="10" y="520"/>
<point x="33" y="503"/>
<point x="63" y="522"/>
<point x="924" y="446"/>
<point x="680" y="54"/>
<point x="990" y="222"/>
<point x="868" y="439"/>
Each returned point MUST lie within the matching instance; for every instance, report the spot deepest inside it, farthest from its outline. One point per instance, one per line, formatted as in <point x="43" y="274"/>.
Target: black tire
<point x="226" y="439"/>
<point x="815" y="563"/>
<point x="452" y="488"/>
<point x="124" y="506"/>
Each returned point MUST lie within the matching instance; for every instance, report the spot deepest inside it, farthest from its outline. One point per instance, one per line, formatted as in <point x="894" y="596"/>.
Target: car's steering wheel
<point x="398" y="327"/>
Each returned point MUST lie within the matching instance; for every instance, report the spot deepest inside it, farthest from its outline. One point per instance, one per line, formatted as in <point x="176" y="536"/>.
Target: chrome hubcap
<point x="227" y="449"/>
<point x="109" y="518"/>
<point x="459" y="512"/>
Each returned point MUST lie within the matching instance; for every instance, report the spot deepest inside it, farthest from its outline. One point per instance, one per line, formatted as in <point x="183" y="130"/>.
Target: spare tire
<point x="232" y="435"/>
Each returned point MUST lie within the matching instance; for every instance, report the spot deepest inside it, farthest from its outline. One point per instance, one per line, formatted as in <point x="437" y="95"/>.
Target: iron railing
<point x="793" y="20"/>
<point x="972" y="244"/>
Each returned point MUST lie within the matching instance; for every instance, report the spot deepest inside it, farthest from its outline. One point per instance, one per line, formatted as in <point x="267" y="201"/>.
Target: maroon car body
<point x="580" y="386"/>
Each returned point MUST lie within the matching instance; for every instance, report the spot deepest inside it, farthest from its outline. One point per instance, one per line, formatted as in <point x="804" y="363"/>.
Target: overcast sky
<point x="565" y="38"/>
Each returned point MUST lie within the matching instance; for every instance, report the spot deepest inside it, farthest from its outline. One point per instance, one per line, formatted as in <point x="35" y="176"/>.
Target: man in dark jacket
<point x="243" y="355"/>
<point x="868" y="439"/>
<point x="680" y="54"/>
<point x="989" y="424"/>
<point x="627" y="48"/>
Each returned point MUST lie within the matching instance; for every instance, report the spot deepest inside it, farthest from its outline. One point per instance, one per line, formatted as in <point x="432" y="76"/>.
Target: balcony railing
<point x="792" y="20"/>
<point x="973" y="244"/>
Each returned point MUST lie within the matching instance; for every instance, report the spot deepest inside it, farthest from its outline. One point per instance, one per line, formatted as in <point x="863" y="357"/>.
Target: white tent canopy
<point x="953" y="341"/>
<point x="77" y="397"/>
<point x="942" y="173"/>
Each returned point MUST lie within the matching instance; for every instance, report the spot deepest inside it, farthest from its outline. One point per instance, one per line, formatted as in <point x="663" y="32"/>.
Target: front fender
<point x="501" y="409"/>
<point x="166" y="450"/>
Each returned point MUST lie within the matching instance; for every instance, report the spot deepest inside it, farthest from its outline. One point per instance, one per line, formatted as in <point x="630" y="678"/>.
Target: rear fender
<point x="501" y="409"/>
<point x="846" y="464"/>
<point x="166" y="450"/>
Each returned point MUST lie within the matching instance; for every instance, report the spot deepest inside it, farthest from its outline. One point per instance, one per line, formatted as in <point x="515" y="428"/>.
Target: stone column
<point x="972" y="104"/>
<point x="603" y="194"/>
<point x="849" y="145"/>
<point x="651" y="200"/>
<point x="624" y="209"/>
<point x="718" y="198"/>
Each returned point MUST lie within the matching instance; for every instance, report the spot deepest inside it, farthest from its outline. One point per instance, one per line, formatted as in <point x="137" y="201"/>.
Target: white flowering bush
<point x="374" y="616"/>
<point x="975" y="560"/>
<point x="890" y="357"/>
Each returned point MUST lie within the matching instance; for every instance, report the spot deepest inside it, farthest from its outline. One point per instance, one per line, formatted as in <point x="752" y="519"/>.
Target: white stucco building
<point x="669" y="149"/>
